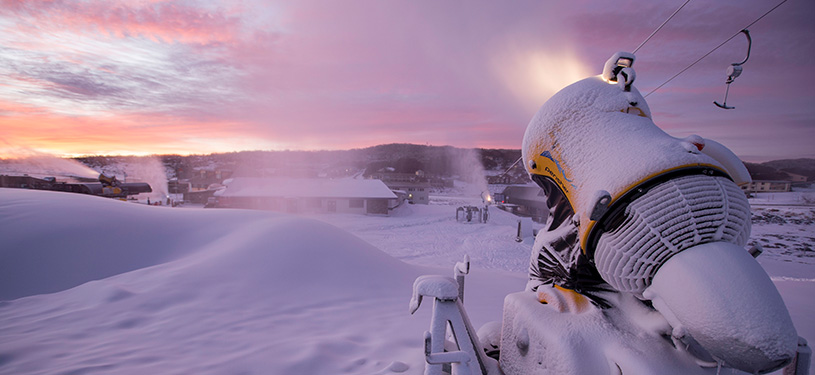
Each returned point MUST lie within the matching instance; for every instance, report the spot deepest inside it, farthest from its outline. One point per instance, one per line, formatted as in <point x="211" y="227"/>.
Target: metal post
<point x="460" y="270"/>
<point x="518" y="235"/>
<point x="803" y="358"/>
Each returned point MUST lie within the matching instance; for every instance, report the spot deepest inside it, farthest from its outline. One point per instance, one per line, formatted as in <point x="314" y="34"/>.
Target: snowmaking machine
<point x="642" y="267"/>
<point x="111" y="187"/>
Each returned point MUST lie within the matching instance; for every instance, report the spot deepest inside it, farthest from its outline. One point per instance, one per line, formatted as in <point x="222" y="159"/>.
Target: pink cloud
<point x="165" y="21"/>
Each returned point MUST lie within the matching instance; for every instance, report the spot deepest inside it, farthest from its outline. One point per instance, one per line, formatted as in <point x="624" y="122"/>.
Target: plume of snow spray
<point x="147" y="169"/>
<point x="469" y="168"/>
<point x="40" y="164"/>
<point x="151" y="171"/>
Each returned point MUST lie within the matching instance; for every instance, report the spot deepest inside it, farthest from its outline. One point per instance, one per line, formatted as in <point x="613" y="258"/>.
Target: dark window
<point x="356" y="203"/>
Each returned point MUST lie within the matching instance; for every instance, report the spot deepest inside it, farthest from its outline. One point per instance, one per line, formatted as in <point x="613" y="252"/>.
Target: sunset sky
<point x="81" y="77"/>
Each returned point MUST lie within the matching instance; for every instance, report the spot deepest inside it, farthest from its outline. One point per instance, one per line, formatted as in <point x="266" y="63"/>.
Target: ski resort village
<point x="385" y="187"/>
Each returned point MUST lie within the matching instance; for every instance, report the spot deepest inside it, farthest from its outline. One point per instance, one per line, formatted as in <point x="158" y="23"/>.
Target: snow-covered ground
<point x="92" y="285"/>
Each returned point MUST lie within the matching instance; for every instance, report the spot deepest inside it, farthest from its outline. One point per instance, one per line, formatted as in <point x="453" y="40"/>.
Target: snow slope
<point x="202" y="291"/>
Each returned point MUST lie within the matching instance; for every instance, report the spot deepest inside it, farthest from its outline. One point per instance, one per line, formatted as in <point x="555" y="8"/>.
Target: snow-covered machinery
<point x="660" y="224"/>
<point x="472" y="214"/>
<point x="109" y="186"/>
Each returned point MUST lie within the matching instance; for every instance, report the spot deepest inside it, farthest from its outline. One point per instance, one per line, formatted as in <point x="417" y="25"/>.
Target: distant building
<point x="417" y="192"/>
<point x="502" y="179"/>
<point x="26" y="182"/>
<point x="415" y="185"/>
<point x="761" y="186"/>
<point x="177" y="187"/>
<point x="202" y="178"/>
<point x="386" y="176"/>
<point x="441" y="182"/>
<point x="199" y="196"/>
<point x="797" y="177"/>
<point x="308" y="195"/>
<point x="523" y="200"/>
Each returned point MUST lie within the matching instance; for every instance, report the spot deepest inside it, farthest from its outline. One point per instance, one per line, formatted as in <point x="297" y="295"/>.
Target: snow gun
<point x="108" y="180"/>
<point x="110" y="185"/>
<point x="642" y="266"/>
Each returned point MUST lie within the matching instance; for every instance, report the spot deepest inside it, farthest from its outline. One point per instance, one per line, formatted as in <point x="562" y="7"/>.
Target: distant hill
<point x="444" y="161"/>
<point x="440" y="160"/>
<point x="397" y="157"/>
<point x="779" y="169"/>
<point x="804" y="166"/>
<point x="764" y="172"/>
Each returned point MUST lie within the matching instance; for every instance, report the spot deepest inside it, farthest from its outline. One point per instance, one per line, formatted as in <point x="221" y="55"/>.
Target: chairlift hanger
<point x="734" y="70"/>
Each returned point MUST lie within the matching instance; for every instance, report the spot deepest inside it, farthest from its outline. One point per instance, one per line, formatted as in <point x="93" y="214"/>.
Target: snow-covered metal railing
<point x="461" y="361"/>
<point x="448" y="311"/>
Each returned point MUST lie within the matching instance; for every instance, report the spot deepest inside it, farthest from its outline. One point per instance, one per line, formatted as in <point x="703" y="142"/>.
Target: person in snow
<point x="623" y="196"/>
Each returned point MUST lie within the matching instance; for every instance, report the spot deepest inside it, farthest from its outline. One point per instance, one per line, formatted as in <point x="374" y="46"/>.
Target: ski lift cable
<point x="660" y="27"/>
<point x="714" y="49"/>
<point x="511" y="166"/>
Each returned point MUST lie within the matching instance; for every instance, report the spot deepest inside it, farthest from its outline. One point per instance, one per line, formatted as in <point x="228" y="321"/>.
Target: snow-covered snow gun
<point x="108" y="180"/>
<point x="657" y="217"/>
<point x="734" y="70"/>
<point x="110" y="185"/>
<point x="642" y="266"/>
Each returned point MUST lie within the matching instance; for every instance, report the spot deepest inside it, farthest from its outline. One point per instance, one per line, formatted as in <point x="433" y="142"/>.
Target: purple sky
<point x="150" y="76"/>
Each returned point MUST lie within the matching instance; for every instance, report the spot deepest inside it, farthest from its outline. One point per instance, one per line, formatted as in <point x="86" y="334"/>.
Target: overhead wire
<point x="660" y="27"/>
<point x="511" y="166"/>
<point x="714" y="49"/>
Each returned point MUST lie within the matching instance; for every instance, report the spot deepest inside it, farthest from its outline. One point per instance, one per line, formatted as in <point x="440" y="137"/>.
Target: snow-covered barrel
<point x="717" y="294"/>
<point x="640" y="194"/>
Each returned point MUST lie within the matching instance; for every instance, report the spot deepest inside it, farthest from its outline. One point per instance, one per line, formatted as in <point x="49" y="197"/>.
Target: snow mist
<point x="151" y="171"/>
<point x="39" y="164"/>
<point x="469" y="168"/>
<point x="147" y="169"/>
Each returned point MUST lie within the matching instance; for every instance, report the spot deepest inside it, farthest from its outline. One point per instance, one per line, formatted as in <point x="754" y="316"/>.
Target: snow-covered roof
<point x="305" y="188"/>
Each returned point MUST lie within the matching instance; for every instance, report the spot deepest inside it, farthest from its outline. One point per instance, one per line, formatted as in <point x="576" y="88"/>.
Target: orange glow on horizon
<point x="66" y="136"/>
<point x="34" y="131"/>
